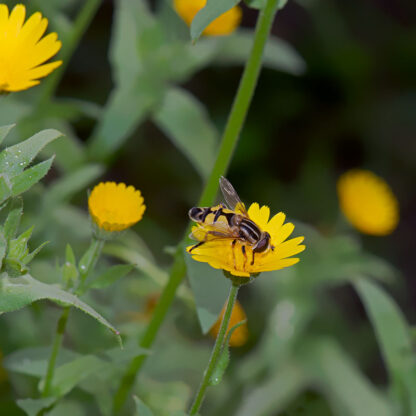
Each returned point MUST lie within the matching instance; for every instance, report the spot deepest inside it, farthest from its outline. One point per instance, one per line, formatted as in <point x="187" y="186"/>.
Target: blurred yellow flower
<point x="22" y="51"/>
<point x="222" y="25"/>
<point x="240" y="335"/>
<point x="115" y="207"/>
<point x="237" y="258"/>
<point x="368" y="202"/>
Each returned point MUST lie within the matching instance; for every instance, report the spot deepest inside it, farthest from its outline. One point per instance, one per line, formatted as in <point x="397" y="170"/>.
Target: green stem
<point x="79" y="27"/>
<point x="60" y="330"/>
<point x="199" y="397"/>
<point x="228" y="143"/>
<point x="86" y="265"/>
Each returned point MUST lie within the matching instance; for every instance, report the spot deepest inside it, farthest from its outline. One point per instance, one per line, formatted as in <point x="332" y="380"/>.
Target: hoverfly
<point x="229" y="221"/>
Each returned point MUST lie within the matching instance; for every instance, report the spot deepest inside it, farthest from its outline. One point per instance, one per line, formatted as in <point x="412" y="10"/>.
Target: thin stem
<point x="87" y="264"/>
<point x="79" y="27"/>
<point x="219" y="342"/>
<point x="60" y="330"/>
<point x="228" y="143"/>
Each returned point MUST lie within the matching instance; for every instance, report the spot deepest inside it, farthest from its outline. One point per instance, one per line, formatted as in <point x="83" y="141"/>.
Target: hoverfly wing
<point x="231" y="197"/>
<point x="209" y="232"/>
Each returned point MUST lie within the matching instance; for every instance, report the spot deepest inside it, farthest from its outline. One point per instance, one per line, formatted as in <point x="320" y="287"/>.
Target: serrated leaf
<point x="141" y="408"/>
<point x="5" y="188"/>
<point x="224" y="358"/>
<point x="15" y="158"/>
<point x="4" y="131"/>
<point x="210" y="288"/>
<point x="29" y="177"/>
<point x="212" y="10"/>
<point x="12" y="222"/>
<point x="395" y="341"/>
<point x="18" y="246"/>
<point x="17" y="292"/>
<point x="185" y="121"/>
<point x="111" y="275"/>
<point x="30" y="256"/>
<point x="32" y="407"/>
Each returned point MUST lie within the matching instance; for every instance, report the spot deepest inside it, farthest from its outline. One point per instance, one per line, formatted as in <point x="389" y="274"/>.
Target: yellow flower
<point x="222" y="25"/>
<point x="240" y="335"/>
<point x="22" y="51"/>
<point x="237" y="258"/>
<point x="368" y="202"/>
<point x="115" y="207"/>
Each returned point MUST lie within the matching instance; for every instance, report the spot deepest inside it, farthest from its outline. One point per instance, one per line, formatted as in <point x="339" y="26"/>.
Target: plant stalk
<point x="60" y="330"/>
<point x="96" y="247"/>
<point x="228" y="143"/>
<point x="219" y="344"/>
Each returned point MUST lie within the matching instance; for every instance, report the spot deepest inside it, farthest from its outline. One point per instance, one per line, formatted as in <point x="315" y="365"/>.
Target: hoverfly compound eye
<point x="194" y="213"/>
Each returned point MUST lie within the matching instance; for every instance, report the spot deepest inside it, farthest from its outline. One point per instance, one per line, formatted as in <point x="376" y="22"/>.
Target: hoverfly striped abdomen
<point x="211" y="215"/>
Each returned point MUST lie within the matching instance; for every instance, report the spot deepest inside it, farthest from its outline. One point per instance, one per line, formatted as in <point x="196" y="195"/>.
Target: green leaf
<point x="141" y="408"/>
<point x="111" y="275"/>
<point x="33" y="406"/>
<point x="278" y="54"/>
<point x="126" y="108"/>
<point x="394" y="337"/>
<point x="4" y="131"/>
<point x="210" y="288"/>
<point x="261" y="4"/>
<point x="3" y="248"/>
<point x="5" y="187"/>
<point x="34" y="361"/>
<point x="346" y="388"/>
<point x="18" y="246"/>
<point x="272" y="396"/>
<point x="15" y="158"/>
<point x="131" y="19"/>
<point x="185" y="121"/>
<point x="212" y="10"/>
<point x="25" y="180"/>
<point x="224" y="358"/>
<point x="12" y="222"/>
<point x="17" y="292"/>
<point x="68" y="375"/>
<point x="69" y="269"/>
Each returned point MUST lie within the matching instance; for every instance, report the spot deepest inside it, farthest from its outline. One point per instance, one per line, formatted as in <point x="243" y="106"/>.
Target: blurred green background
<point x="354" y="106"/>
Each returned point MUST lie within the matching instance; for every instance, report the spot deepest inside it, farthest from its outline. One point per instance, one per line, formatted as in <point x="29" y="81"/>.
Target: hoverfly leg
<point x="252" y="261"/>
<point x="196" y="245"/>
<point x="243" y="249"/>
<point x="232" y="247"/>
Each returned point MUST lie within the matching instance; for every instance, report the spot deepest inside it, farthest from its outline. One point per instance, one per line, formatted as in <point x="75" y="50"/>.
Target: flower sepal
<point x="240" y="280"/>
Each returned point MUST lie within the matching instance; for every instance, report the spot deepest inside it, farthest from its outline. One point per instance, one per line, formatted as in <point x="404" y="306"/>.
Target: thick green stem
<point x="79" y="27"/>
<point x="60" y="330"/>
<point x="228" y="143"/>
<point x="219" y="343"/>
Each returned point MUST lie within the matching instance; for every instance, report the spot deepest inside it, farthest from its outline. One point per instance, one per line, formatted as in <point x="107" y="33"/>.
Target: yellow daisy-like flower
<point x="368" y="202"/>
<point x="22" y="51"/>
<point x="240" y="335"/>
<point x="236" y="256"/>
<point x="222" y="25"/>
<point x="115" y="206"/>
